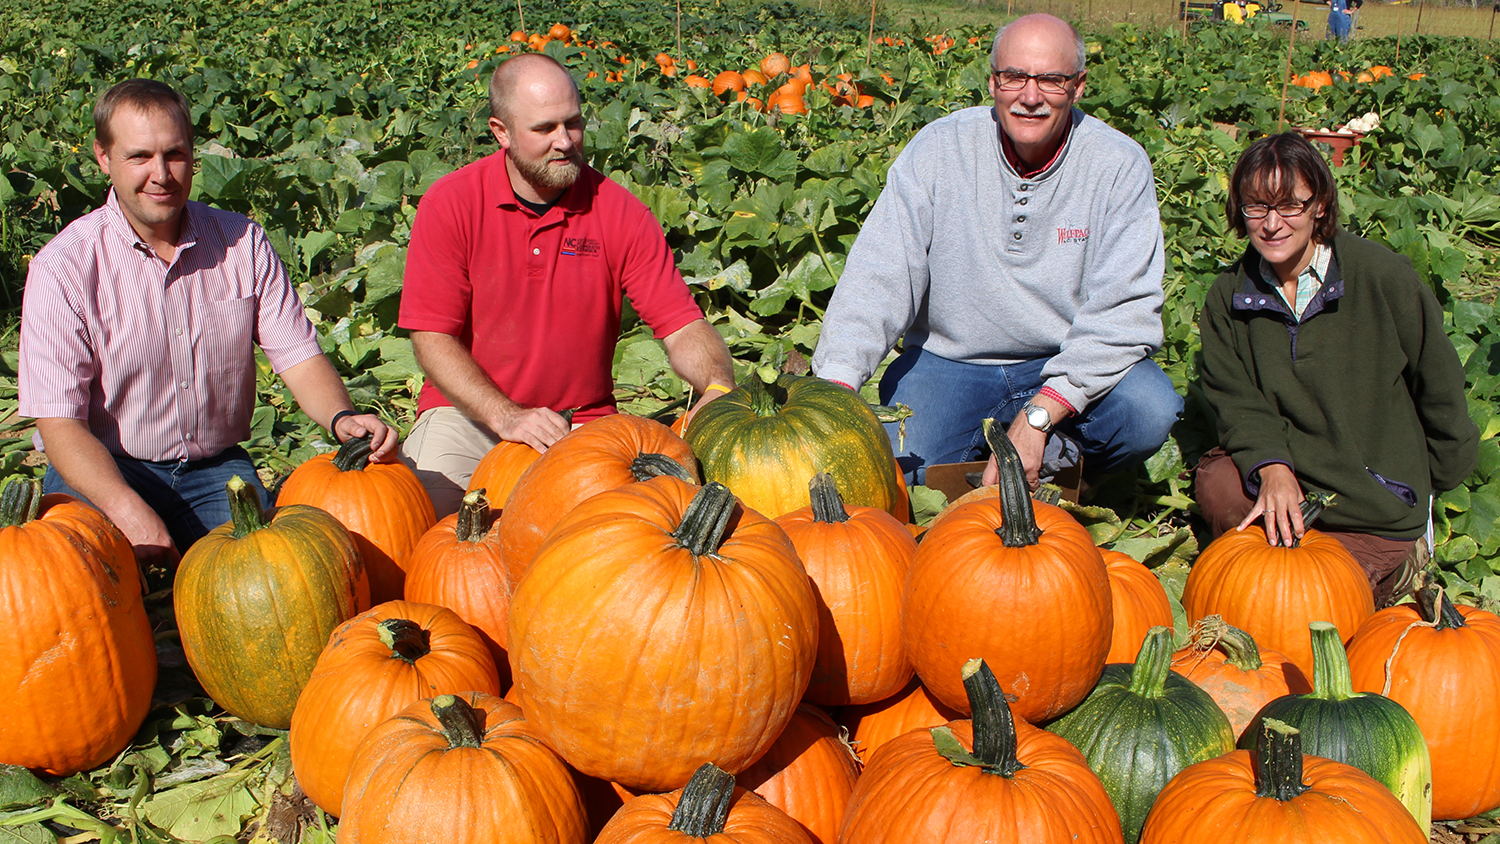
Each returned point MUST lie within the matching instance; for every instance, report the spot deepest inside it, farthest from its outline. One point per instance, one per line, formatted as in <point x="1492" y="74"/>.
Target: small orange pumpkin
<point x="1139" y="603"/>
<point x="809" y="773"/>
<point x="913" y="707"/>
<point x="500" y="469"/>
<point x="1241" y="678"/>
<point x="708" y="809"/>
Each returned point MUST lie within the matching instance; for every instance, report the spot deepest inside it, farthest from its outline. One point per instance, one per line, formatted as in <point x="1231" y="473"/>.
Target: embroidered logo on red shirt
<point x="1072" y="235"/>
<point x="587" y="247"/>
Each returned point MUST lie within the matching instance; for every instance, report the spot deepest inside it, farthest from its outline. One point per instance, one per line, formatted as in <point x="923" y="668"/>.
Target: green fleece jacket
<point x="1363" y="396"/>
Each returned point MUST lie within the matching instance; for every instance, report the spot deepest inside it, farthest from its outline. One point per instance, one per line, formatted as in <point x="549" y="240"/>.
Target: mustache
<point x="1042" y="110"/>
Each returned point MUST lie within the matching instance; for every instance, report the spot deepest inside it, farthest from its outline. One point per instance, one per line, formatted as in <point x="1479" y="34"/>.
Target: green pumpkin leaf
<point x="203" y="809"/>
<point x="949" y="747"/>
<point x="31" y="833"/>
<point x="20" y="788"/>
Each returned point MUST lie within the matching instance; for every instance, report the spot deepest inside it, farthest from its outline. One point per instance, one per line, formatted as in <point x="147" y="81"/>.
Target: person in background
<point x="139" y="324"/>
<point x="1018" y="249"/>
<point x="1325" y="358"/>
<point x="1340" y="22"/>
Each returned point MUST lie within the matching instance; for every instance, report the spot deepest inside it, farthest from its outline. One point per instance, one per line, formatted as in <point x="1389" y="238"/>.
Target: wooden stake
<point x="522" y="14"/>
<point x="1009" y="4"/>
<point x="1400" y="17"/>
<point x="1286" y="79"/>
<point x="1418" y="29"/>
<point x="870" y="39"/>
<point x="679" y="29"/>
<point x="1494" y="7"/>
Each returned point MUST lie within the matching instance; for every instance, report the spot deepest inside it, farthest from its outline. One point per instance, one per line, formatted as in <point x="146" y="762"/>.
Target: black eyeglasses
<point x="1049" y="83"/>
<point x="1258" y="211"/>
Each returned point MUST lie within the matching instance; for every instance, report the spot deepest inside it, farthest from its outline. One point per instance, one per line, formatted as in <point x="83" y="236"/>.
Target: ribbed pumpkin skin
<point x="80" y="665"/>
<point x="470" y="578"/>
<point x="1137" y="739"/>
<point x="639" y="661"/>
<point x="254" y="612"/>
<point x="804" y="426"/>
<point x="644" y="820"/>
<point x="383" y="505"/>
<point x="1447" y="680"/>
<point x="409" y="784"/>
<point x="1372" y="733"/>
<point x="877" y="723"/>
<point x="358" y="683"/>
<point x="1239" y="693"/>
<point x="809" y="773"/>
<point x="858" y="568"/>
<point x="500" y="469"/>
<point x="1139" y="603"/>
<point x="1273" y="593"/>
<point x="911" y="794"/>
<point x="1215" y="801"/>
<point x="588" y="460"/>
<point x="1039" y="615"/>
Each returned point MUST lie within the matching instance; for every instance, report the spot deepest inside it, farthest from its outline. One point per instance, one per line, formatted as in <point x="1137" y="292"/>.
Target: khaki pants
<point x="443" y="449"/>
<point x="1388" y="563"/>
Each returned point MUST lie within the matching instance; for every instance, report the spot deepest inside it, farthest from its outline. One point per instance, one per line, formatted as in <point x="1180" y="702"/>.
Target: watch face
<point x="1038" y="418"/>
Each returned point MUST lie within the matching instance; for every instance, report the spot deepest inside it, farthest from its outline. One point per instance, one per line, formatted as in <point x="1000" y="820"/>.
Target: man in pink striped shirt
<point x="138" y="329"/>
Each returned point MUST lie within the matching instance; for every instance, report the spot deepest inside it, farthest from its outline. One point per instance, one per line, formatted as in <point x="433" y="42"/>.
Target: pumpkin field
<point x="759" y="134"/>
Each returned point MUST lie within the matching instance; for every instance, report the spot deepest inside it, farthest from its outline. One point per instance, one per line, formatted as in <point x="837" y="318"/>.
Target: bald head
<point x="1039" y="30"/>
<point x="526" y="70"/>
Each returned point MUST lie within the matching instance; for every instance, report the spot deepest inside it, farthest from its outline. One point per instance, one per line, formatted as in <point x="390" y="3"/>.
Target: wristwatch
<point x="1037" y="417"/>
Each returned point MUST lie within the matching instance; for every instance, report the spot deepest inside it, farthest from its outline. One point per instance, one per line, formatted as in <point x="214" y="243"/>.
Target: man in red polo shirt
<point x="515" y="277"/>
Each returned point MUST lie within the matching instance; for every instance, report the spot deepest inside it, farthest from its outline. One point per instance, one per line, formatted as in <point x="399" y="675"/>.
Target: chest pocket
<point x="226" y="340"/>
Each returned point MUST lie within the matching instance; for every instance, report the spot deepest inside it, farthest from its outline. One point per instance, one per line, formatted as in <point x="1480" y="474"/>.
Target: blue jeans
<point x="189" y="496"/>
<point x="950" y="401"/>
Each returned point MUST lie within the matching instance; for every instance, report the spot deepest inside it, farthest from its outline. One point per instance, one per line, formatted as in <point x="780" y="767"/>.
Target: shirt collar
<point x="575" y="200"/>
<point x="1009" y="150"/>
<point x="1314" y="273"/>
<point x="116" y="222"/>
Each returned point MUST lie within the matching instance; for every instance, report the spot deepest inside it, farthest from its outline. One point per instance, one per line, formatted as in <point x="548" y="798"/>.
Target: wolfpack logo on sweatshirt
<point x="1072" y="235"/>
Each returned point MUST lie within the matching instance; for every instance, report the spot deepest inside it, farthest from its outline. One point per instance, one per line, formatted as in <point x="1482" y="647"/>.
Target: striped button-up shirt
<point x="158" y="358"/>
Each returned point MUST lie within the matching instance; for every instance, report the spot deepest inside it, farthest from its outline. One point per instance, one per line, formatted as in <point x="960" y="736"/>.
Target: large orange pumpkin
<point x="1241" y="678"/>
<point x="458" y="565"/>
<point x="80" y="661"/>
<point x="1138" y="602"/>
<point x="809" y="773"/>
<point x="857" y="558"/>
<point x="995" y="778"/>
<point x="662" y="626"/>
<point x="383" y="505"/>
<point x="375" y="665"/>
<point x="257" y="598"/>
<point x="709" y="808"/>
<point x="1274" y="592"/>
<point x="500" y="469"/>
<point x="1276" y="795"/>
<point x="1442" y="663"/>
<point x="608" y="452"/>
<point x="460" y="768"/>
<point x="1016" y="582"/>
<point x="912" y="708"/>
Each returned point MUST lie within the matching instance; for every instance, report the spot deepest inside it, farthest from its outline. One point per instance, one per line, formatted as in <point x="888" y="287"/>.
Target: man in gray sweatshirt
<point x="1019" y="251"/>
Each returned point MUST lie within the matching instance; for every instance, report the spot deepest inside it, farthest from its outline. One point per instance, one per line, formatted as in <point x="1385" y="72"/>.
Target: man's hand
<point x="383" y="439"/>
<point x="1030" y="444"/>
<point x="146" y="531"/>
<point x="698" y="405"/>
<point x="1280" y="501"/>
<point x="538" y="427"/>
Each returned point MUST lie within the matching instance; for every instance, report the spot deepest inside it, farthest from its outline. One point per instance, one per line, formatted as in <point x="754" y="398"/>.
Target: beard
<point x="544" y="174"/>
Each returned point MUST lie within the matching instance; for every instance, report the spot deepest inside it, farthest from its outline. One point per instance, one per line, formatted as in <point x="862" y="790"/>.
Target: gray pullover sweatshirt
<point x="974" y="263"/>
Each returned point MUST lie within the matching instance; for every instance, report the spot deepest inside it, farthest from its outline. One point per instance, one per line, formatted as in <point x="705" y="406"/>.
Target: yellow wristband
<point x="720" y="387"/>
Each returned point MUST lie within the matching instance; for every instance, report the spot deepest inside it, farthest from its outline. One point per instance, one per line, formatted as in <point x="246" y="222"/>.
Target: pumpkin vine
<point x="245" y="512"/>
<point x="994" y="726"/>
<point x="406" y="639"/>
<point x="647" y="466"/>
<point x="827" y="504"/>
<point x="707" y="517"/>
<point x="474" y="517"/>
<point x="460" y="722"/>
<point x="1019" y="528"/>
<point x="1277" y="761"/>
<point x="353" y="455"/>
<point x="704" y="805"/>
<point x="1148" y="678"/>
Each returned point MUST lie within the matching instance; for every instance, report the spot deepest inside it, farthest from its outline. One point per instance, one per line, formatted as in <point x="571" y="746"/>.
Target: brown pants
<point x="1388" y="563"/>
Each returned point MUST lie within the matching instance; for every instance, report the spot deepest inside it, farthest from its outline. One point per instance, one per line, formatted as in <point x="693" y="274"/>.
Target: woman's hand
<point x="1280" y="501"/>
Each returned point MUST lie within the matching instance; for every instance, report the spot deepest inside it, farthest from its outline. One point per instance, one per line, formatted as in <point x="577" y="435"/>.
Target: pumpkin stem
<point x="706" y="518"/>
<point x="765" y="399"/>
<point x="474" y="520"/>
<point x="1153" y="662"/>
<point x="1277" y="761"/>
<point x="994" y="726"/>
<point x="244" y="508"/>
<point x="1018" y="530"/>
<point x="1312" y="507"/>
<point x="827" y="504"/>
<point x="1330" y="664"/>
<point x="647" y="466"/>
<point x="353" y="455"/>
<point x="461" y="723"/>
<point x="1239" y="648"/>
<point x="406" y="639"/>
<point x="1435" y="608"/>
<point x="20" y="501"/>
<point x="704" y="805"/>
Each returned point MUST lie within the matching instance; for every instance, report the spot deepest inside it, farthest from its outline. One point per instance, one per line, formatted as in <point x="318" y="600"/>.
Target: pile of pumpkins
<point x="687" y="627"/>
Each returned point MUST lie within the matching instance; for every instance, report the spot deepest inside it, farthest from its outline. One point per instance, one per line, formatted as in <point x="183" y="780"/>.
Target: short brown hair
<point x="1268" y="171"/>
<point x="503" y="80"/>
<point x="146" y="95"/>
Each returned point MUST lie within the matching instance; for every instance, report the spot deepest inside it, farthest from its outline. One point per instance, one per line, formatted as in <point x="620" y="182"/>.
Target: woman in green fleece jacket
<point x="1325" y="358"/>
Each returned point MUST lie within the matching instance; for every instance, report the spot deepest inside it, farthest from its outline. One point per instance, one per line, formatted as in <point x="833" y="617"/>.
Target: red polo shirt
<point x="537" y="300"/>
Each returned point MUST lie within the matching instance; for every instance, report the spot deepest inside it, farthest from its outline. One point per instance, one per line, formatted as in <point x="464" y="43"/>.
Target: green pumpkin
<point x="1141" y="725"/>
<point x="1370" y="732"/>
<point x="257" y="598"/>
<point x="767" y="441"/>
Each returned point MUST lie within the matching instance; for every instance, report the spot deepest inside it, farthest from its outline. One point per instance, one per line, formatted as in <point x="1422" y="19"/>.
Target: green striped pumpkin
<point x="766" y="442"/>
<point x="1141" y="725"/>
<point x="1374" y="734"/>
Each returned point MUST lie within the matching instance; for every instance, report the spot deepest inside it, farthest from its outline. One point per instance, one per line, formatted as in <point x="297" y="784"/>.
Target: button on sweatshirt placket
<point x="1020" y="197"/>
